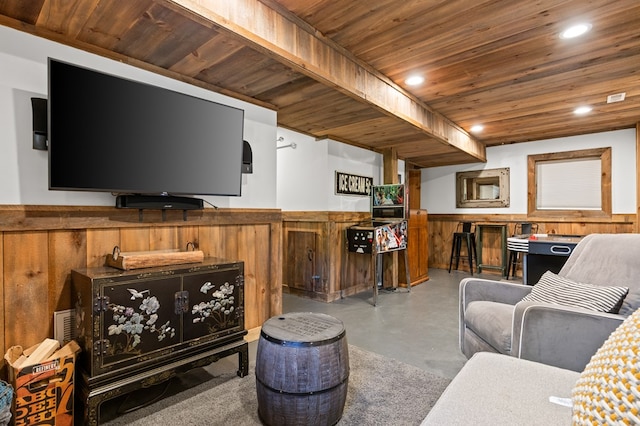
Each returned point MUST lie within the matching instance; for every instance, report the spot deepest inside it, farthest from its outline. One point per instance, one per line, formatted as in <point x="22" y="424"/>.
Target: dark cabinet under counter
<point x="141" y="327"/>
<point x="548" y="253"/>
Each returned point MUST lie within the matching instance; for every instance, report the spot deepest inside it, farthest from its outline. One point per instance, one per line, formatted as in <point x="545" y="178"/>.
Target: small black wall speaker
<point x="247" y="158"/>
<point x="39" y="109"/>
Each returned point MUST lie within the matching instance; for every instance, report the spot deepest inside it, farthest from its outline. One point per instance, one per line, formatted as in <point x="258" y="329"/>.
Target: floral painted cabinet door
<point x="215" y="306"/>
<point x="138" y="318"/>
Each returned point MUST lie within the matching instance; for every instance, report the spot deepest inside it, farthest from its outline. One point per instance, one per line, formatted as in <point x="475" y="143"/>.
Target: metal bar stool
<point x="467" y="235"/>
<point x="519" y="243"/>
<point x="515" y="246"/>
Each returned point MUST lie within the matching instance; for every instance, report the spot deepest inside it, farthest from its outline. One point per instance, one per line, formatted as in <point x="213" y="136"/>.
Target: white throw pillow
<point x="558" y="290"/>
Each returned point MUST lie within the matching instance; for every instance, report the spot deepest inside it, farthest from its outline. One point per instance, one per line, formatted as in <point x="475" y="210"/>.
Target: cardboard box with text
<point x="43" y="387"/>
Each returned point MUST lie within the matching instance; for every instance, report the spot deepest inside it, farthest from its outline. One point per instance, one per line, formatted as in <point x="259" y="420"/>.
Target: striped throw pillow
<point x="558" y="290"/>
<point x="608" y="390"/>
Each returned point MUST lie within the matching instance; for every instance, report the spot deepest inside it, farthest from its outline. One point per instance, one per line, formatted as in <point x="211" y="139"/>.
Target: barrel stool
<point x="302" y="369"/>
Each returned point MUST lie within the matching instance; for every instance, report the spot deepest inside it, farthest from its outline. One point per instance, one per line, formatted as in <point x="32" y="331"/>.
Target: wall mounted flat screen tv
<point x="108" y="133"/>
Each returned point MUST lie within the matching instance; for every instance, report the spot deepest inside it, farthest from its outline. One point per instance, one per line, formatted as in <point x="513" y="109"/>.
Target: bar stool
<point x="519" y="243"/>
<point x="467" y="235"/>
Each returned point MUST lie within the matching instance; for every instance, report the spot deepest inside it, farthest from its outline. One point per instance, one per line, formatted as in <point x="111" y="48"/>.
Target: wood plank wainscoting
<point x="317" y="264"/>
<point x="40" y="245"/>
<point x="442" y="227"/>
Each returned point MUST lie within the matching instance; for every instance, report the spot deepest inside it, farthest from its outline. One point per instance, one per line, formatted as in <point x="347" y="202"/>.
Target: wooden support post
<point x="390" y="165"/>
<point x="390" y="176"/>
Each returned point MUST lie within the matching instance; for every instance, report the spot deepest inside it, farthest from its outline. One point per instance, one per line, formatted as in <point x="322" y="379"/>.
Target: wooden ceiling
<point x="336" y="68"/>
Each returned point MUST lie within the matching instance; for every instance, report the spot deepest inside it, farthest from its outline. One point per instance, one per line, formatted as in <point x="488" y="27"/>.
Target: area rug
<point x="381" y="391"/>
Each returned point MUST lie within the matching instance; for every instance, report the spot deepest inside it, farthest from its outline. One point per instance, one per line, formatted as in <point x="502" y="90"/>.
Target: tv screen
<point x="111" y="134"/>
<point x="388" y="201"/>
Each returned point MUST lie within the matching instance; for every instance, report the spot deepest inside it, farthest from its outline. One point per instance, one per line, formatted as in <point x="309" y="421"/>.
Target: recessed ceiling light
<point x="582" y="110"/>
<point x="414" y="80"/>
<point x="477" y="128"/>
<point x="575" y="31"/>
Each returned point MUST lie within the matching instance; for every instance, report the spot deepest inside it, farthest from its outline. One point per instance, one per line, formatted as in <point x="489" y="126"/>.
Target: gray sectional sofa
<point x="493" y="317"/>
<point x="495" y="389"/>
<point x="525" y="356"/>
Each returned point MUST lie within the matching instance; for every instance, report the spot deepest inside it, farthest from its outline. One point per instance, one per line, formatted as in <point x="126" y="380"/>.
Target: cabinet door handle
<point x="181" y="302"/>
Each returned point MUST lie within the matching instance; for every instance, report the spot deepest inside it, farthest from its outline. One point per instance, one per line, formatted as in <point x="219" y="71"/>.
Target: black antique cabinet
<point x="141" y="327"/>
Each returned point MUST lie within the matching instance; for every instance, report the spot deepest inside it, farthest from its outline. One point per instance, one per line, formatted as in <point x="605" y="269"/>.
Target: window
<point x="571" y="183"/>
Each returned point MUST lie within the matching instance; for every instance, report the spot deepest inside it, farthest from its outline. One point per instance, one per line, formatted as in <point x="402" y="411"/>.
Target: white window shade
<point x="569" y="184"/>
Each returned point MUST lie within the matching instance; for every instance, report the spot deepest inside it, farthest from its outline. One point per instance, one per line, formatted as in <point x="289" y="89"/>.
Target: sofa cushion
<point x="493" y="389"/>
<point x="607" y="390"/>
<point x="559" y="290"/>
<point x="492" y="322"/>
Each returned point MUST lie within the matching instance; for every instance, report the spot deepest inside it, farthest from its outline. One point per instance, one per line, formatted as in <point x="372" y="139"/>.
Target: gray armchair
<point x="494" y="319"/>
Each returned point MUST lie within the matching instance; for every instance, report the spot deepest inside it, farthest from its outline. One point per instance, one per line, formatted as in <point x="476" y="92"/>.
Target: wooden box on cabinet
<point x="139" y="328"/>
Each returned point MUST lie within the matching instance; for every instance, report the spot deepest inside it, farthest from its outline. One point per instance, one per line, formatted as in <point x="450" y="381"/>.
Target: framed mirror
<point x="483" y="188"/>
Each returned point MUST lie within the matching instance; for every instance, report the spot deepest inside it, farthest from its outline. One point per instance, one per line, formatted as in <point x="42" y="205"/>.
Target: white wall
<point x="438" y="183"/>
<point x="23" y="171"/>
<point x="306" y="174"/>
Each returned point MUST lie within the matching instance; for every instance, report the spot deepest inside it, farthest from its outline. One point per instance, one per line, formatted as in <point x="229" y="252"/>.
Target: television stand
<point x="158" y="202"/>
<point x="176" y="336"/>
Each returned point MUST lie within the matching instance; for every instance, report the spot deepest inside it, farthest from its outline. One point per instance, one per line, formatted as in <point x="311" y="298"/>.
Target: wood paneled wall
<point x="40" y="245"/>
<point x="317" y="263"/>
<point x="442" y="227"/>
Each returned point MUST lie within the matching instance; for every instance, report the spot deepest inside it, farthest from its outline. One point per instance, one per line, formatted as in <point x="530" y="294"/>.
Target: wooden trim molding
<point x="605" y="157"/>
<point x="46" y="217"/>
<point x="618" y="219"/>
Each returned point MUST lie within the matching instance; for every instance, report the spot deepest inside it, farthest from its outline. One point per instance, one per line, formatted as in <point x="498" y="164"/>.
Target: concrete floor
<point x="419" y="328"/>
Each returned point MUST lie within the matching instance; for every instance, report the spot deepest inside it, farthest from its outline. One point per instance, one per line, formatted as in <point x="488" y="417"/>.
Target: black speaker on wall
<point x="39" y="110"/>
<point x="247" y="158"/>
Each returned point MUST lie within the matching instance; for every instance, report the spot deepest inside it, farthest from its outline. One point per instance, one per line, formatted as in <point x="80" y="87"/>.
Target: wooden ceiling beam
<point x="312" y="54"/>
